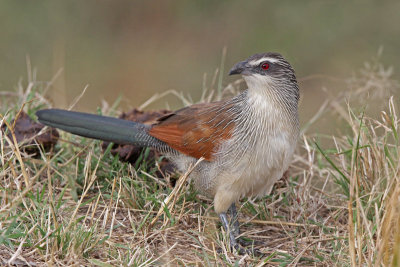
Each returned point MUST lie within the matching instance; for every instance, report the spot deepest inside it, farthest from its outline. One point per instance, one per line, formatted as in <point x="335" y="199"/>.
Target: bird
<point x="246" y="142"/>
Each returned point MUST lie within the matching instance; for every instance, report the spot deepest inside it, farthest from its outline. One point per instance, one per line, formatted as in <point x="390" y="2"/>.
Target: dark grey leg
<point x="236" y="227"/>
<point x="232" y="237"/>
<point x="234" y="220"/>
<point x="234" y="231"/>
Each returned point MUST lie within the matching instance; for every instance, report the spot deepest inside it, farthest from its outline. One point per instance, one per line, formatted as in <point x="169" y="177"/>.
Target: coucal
<point x="247" y="141"/>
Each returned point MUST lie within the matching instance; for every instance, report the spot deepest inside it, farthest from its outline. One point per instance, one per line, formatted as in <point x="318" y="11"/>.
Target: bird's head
<point x="268" y="70"/>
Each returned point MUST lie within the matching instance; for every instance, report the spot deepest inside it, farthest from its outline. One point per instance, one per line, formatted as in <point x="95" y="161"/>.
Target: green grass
<point x="338" y="205"/>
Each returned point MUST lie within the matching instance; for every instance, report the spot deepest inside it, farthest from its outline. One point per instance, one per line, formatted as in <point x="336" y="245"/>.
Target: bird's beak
<point x="238" y="68"/>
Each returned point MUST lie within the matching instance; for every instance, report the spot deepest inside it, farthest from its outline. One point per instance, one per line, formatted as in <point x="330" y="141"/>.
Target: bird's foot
<point x="247" y="247"/>
<point x="244" y="242"/>
<point x="243" y="247"/>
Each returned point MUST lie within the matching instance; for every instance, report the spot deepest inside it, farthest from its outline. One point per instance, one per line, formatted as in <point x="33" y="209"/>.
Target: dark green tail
<point x="99" y="127"/>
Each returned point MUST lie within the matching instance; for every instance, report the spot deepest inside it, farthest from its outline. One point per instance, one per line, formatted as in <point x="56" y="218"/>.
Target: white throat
<point x="258" y="82"/>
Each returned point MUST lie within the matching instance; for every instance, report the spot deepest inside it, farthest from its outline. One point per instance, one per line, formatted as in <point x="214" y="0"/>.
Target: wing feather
<point x="197" y="130"/>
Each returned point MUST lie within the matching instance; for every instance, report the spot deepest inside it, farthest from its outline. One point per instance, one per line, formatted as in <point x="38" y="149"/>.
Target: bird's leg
<point x="232" y="237"/>
<point x="234" y="220"/>
<point x="236" y="227"/>
<point x="236" y="232"/>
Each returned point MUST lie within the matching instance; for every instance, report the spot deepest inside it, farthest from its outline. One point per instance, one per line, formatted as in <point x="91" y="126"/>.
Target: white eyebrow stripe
<point x="256" y="62"/>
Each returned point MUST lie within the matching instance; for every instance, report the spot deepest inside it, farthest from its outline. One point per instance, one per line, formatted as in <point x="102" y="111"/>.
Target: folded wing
<point x="197" y="130"/>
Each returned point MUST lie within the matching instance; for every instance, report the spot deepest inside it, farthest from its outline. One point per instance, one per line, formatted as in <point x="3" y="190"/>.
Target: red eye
<point x="265" y="66"/>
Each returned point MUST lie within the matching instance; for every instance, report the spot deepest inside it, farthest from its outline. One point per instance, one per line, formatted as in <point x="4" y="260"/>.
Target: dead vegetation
<point x="77" y="204"/>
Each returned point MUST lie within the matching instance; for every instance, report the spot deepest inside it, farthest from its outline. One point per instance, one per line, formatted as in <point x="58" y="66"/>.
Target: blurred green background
<point x="138" y="48"/>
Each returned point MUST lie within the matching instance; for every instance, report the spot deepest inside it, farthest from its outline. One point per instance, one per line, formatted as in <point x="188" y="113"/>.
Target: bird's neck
<point x="275" y="107"/>
<point x="271" y="94"/>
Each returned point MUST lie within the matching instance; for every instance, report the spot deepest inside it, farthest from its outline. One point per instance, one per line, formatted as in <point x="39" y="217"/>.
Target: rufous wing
<point x="197" y="130"/>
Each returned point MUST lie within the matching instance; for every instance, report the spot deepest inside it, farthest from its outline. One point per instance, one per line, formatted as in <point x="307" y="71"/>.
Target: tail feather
<point x="99" y="127"/>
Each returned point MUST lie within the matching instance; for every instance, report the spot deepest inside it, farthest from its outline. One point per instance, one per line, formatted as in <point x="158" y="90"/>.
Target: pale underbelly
<point x="252" y="174"/>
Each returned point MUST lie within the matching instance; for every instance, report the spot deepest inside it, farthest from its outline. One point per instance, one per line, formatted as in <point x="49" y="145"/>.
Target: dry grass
<point x="338" y="205"/>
